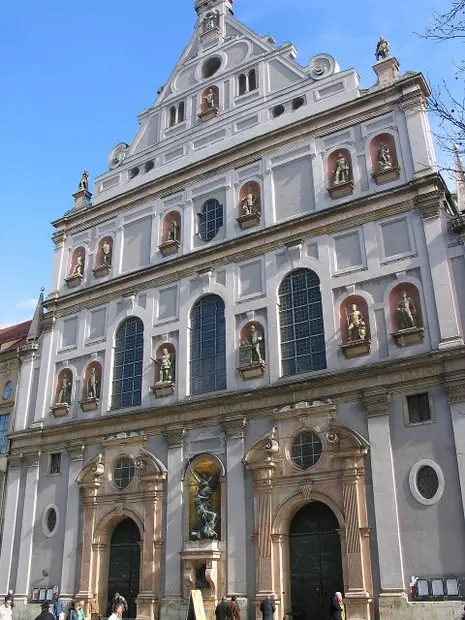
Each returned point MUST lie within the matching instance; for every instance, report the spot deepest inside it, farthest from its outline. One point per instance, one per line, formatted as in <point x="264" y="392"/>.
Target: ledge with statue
<point x="251" y="353"/>
<point x="105" y="255"/>
<point x="60" y="408"/>
<point x="92" y="391"/>
<point x="249" y="209"/>
<point x="408" y="319"/>
<point x="386" y="170"/>
<point x="166" y="362"/>
<point x="341" y="182"/>
<point x="357" y="342"/>
<point x="209" y="105"/>
<point x="76" y="276"/>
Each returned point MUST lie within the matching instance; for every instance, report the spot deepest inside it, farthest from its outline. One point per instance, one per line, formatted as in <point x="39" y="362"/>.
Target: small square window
<point x="419" y="409"/>
<point x="55" y="463"/>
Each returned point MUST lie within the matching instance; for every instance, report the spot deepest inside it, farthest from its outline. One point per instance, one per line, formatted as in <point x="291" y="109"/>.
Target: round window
<point x="51" y="520"/>
<point x="211" y="66"/>
<point x="277" y="111"/>
<point x="427" y="482"/>
<point x="306" y="450"/>
<point x="124" y="473"/>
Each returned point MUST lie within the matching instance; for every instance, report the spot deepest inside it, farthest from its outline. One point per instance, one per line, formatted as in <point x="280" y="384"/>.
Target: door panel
<point x="124" y="570"/>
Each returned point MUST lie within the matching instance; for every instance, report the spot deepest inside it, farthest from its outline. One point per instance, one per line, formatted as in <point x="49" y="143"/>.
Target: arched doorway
<point x="124" y="569"/>
<point x="315" y="560"/>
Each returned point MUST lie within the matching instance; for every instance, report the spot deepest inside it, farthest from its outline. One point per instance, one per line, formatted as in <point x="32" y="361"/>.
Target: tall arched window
<point x="127" y="370"/>
<point x="252" y="79"/>
<point x="301" y="323"/>
<point x="242" y="84"/>
<point x="208" y="345"/>
<point x="210" y="220"/>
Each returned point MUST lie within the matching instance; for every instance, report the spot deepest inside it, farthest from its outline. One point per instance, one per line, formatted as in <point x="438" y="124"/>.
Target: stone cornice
<point x="341" y="386"/>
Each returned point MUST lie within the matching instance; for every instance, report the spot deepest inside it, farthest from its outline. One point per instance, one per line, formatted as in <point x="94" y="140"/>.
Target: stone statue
<point x="84" y="182"/>
<point x="173" y="231"/>
<point x="93" y="384"/>
<point x="64" y="393"/>
<point x="255" y="339"/>
<point x="406" y="312"/>
<point x="210" y="99"/>
<point x="79" y="266"/>
<point x="166" y="367"/>
<point x="106" y="253"/>
<point x="382" y="49"/>
<point x="203" y="506"/>
<point x="341" y="172"/>
<point x="211" y="21"/>
<point x="248" y="202"/>
<point x="355" y="324"/>
<point x="384" y="157"/>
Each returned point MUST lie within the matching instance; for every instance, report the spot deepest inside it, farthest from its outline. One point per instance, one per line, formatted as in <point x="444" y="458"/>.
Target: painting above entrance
<point x="205" y="501"/>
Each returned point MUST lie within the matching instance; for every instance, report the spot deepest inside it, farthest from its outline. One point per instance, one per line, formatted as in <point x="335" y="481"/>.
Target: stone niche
<point x="252" y="351"/>
<point x="165" y="370"/>
<point x="63" y="393"/>
<point x="406" y="316"/>
<point x="104" y="257"/>
<point x="354" y="326"/>
<point x="92" y="386"/>
<point x="76" y="268"/>
<point x="340" y="174"/>
<point x="249" y="210"/>
<point x="170" y="234"/>
<point x="209" y="103"/>
<point x="383" y="157"/>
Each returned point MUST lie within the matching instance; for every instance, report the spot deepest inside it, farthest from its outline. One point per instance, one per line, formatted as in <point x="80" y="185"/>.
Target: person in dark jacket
<point x="267" y="607"/>
<point x="233" y="611"/>
<point x="46" y="614"/>
<point x="337" y="611"/>
<point x="221" y="609"/>
<point x="10" y="597"/>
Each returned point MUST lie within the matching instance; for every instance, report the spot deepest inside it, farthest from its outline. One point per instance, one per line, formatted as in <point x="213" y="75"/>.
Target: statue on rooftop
<point x="84" y="182"/>
<point x="382" y="49"/>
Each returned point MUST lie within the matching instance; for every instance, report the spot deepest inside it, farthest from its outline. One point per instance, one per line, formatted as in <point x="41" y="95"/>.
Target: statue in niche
<point x="64" y="393"/>
<point x="210" y="100"/>
<point x="207" y="517"/>
<point x="79" y="266"/>
<point x="341" y="171"/>
<point x="166" y="366"/>
<point x="84" y="182"/>
<point x="382" y="49"/>
<point x="106" y="253"/>
<point x="93" y="384"/>
<point x="248" y="202"/>
<point x="406" y="312"/>
<point x="255" y="340"/>
<point x="356" y="325"/>
<point x="384" y="157"/>
<point x="173" y="231"/>
<point x="211" y="21"/>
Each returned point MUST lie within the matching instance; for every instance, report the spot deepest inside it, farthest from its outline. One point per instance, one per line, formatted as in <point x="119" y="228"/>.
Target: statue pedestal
<point x="207" y="114"/>
<point x="73" y="281"/>
<point x="82" y="199"/>
<point x="169" y="247"/>
<point x="202" y="571"/>
<point x="254" y="370"/>
<point x="409" y="337"/>
<point x="249" y="220"/>
<point x="90" y="404"/>
<point x="387" y="175"/>
<point x="101" y="270"/>
<point x="341" y="189"/>
<point x="59" y="410"/>
<point x="162" y="389"/>
<point x="387" y="70"/>
<point x="356" y="348"/>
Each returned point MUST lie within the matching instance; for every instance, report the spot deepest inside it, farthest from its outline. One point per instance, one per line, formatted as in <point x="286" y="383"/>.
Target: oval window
<point x="124" y="473"/>
<point x="306" y="450"/>
<point x="51" y="520"/>
<point x="427" y="482"/>
<point x="211" y="66"/>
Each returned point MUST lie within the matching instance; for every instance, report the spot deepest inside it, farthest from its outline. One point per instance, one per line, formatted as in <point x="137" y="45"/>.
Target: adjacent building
<point x="250" y="375"/>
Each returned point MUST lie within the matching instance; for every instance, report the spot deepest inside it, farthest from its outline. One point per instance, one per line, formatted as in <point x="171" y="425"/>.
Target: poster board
<point x="195" y="609"/>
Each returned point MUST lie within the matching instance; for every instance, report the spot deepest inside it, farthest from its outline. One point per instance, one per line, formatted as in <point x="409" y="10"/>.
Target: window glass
<point x="51" y="519"/>
<point x="210" y="220"/>
<point x="427" y="482"/>
<point x="418" y="408"/>
<point x="4" y="423"/>
<point x="127" y="369"/>
<point x="306" y="450"/>
<point x="124" y="472"/>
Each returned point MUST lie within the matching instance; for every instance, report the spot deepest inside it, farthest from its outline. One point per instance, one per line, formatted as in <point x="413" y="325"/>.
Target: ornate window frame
<point x="45" y="513"/>
<point x="412" y="480"/>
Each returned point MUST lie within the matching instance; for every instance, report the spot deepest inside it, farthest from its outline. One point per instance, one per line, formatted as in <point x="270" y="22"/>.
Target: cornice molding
<point x="376" y="401"/>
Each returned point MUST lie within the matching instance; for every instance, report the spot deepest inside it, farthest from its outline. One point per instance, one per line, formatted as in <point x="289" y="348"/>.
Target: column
<point x="236" y="535"/>
<point x="44" y="397"/>
<point x="455" y="387"/>
<point x="59" y="239"/>
<point x="377" y="404"/>
<point x="416" y="119"/>
<point x="27" y="525"/>
<point x="449" y="331"/>
<point x="13" y="482"/>
<point x="27" y="355"/>
<point x="71" y="540"/>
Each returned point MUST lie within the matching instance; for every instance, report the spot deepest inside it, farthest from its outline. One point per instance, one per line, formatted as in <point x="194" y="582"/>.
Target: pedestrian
<point x="233" y="611"/>
<point x="5" y="610"/>
<point x="80" y="610"/>
<point x="117" y="612"/>
<point x="58" y="608"/>
<point x="72" y="614"/>
<point x="45" y="614"/>
<point x="267" y="607"/>
<point x="118" y="599"/>
<point x="10" y="596"/>
<point x="94" y="608"/>
<point x="337" y="609"/>
<point x="221" y="609"/>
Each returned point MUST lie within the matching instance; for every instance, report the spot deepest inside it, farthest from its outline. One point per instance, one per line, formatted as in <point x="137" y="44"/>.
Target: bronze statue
<point x="382" y="49"/>
<point x="84" y="182"/>
<point x="356" y="326"/>
<point x="406" y="312"/>
<point x="208" y="518"/>
<point x="341" y="171"/>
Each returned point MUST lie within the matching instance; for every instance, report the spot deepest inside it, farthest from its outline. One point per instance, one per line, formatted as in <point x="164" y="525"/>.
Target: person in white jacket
<point x="5" y="610"/>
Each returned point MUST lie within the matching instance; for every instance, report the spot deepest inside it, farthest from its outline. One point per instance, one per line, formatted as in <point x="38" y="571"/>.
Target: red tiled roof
<point x="14" y="336"/>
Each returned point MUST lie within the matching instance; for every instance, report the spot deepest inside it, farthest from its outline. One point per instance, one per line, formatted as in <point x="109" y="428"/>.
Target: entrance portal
<point x="316" y="561"/>
<point x="125" y="564"/>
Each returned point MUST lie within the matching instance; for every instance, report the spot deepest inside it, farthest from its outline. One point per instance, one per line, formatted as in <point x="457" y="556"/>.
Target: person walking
<point x="45" y="614"/>
<point x="11" y="597"/>
<point x="267" y="607"/>
<point x="221" y="609"/>
<point x="5" y="610"/>
<point x="233" y="611"/>
<point x="80" y="610"/>
<point x="72" y="614"/>
<point x="58" y="609"/>
<point x="337" y="609"/>
<point x="117" y="612"/>
<point x="94" y="608"/>
<point x="118" y="599"/>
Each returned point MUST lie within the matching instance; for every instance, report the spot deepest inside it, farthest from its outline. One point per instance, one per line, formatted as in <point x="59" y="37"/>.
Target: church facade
<point x="249" y="377"/>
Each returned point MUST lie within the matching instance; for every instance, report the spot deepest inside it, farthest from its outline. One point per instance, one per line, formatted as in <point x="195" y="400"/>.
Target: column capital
<point x="175" y="436"/>
<point x="376" y="401"/>
<point x="428" y="204"/>
<point x="14" y="461"/>
<point x="454" y="384"/>
<point x="32" y="459"/>
<point x="234" y="428"/>
<point x="75" y="452"/>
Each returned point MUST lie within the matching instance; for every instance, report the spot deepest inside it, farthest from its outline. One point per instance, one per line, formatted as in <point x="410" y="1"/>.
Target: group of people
<point x="230" y="610"/>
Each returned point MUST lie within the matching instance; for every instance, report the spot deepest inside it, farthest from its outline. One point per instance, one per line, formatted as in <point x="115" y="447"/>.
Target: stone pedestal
<point x="101" y="270"/>
<point x="90" y="404"/>
<point x="59" y="410"/>
<point x="356" y="348"/>
<point x="252" y="371"/>
<point x="74" y="281"/>
<point x="249" y="220"/>
<point x="341" y="189"/>
<point x="162" y="389"/>
<point x="206" y="115"/>
<point x="387" y="70"/>
<point x="409" y="337"/>
<point x="169" y="247"/>
<point x="82" y="198"/>
<point x="385" y="176"/>
<point x="200" y="553"/>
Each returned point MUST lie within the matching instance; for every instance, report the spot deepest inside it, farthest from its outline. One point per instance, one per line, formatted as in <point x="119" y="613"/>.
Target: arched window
<point x="172" y="116"/>
<point x="301" y="323"/>
<point x="210" y="220"/>
<point x="252" y="79"/>
<point x="127" y="370"/>
<point x="208" y="345"/>
<point x="242" y="84"/>
<point x="181" y="112"/>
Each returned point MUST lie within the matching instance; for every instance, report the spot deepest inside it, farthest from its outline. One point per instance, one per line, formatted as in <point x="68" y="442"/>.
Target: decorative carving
<point x="458" y="226"/>
<point x="175" y="437"/>
<point x="75" y="452"/>
<point x="251" y="354"/>
<point x="249" y="207"/>
<point x="455" y="387"/>
<point x="211" y="21"/>
<point x="382" y="49"/>
<point x="306" y="490"/>
<point x="322" y="66"/>
<point x="376" y="401"/>
<point x="117" y="155"/>
<point x="205" y="500"/>
<point x="234" y="428"/>
<point x="341" y="171"/>
<point x="84" y="182"/>
<point x="386" y="169"/>
<point x="428" y="205"/>
<point x="77" y="273"/>
<point x="63" y="397"/>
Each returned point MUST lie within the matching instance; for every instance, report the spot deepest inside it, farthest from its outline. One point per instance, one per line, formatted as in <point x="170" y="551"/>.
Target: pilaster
<point x="455" y="387"/>
<point x="414" y="106"/>
<point x="27" y="355"/>
<point x="48" y="347"/>
<point x="13" y="482"/>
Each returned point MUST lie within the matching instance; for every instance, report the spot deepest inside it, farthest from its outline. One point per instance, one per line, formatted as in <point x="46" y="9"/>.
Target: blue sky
<point x="76" y="74"/>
